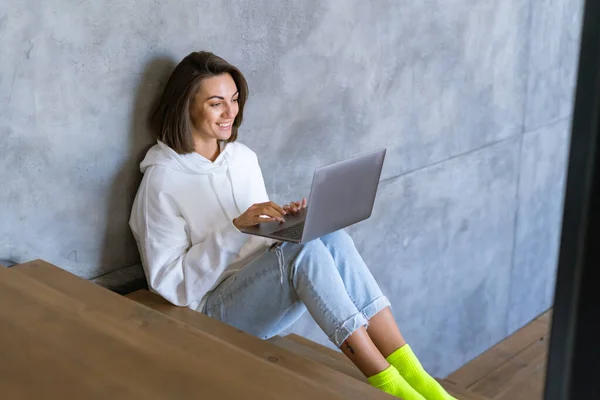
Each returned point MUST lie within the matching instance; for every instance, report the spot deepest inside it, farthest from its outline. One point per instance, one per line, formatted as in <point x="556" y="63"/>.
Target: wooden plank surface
<point x="211" y="330"/>
<point x="324" y="371"/>
<point x="459" y="392"/>
<point x="531" y="387"/>
<point x="513" y="372"/>
<point x="32" y="368"/>
<point x="344" y="366"/>
<point x="97" y="344"/>
<point x="501" y="353"/>
<point x="545" y="318"/>
<point x="513" y="369"/>
<point x="337" y="355"/>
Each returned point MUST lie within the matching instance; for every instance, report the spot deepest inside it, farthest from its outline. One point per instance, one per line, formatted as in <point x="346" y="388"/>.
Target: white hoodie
<point x="182" y="219"/>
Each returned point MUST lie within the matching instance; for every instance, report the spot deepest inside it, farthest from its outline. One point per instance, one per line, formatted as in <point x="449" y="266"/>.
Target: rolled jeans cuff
<point x="359" y="319"/>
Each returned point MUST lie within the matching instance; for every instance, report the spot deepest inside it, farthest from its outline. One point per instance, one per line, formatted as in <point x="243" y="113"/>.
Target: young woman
<point x="201" y="186"/>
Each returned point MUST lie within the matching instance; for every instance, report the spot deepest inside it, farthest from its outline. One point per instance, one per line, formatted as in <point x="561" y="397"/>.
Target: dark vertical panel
<point x="574" y="356"/>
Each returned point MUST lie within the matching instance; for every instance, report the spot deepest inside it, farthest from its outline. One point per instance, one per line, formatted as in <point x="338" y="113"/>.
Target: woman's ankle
<point x="361" y="350"/>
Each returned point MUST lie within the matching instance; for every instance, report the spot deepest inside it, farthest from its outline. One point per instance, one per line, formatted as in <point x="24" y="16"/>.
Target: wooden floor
<point x="513" y="369"/>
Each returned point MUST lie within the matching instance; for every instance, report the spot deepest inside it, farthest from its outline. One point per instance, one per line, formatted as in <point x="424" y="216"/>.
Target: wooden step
<point x="336" y="355"/>
<point x="498" y="355"/>
<point x="529" y="387"/>
<point x="545" y="318"/>
<point x="344" y="366"/>
<point x="459" y="392"/>
<point x="513" y="369"/>
<point x="311" y="368"/>
<point x="63" y="335"/>
<point x="512" y="373"/>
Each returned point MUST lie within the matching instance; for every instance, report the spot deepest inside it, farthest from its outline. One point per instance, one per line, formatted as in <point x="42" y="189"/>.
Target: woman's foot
<point x="409" y="367"/>
<point x="390" y="381"/>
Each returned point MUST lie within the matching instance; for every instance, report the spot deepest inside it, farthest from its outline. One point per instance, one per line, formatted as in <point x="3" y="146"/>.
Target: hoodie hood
<point x="192" y="163"/>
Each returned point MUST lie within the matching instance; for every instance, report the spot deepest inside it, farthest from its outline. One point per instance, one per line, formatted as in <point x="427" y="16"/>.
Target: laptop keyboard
<point x="291" y="232"/>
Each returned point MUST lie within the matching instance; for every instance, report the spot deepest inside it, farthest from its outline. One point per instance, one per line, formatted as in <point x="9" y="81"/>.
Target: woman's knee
<point x="337" y="239"/>
<point x="312" y="254"/>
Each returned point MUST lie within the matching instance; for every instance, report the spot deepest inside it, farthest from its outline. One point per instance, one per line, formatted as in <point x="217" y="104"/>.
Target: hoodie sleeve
<point x="180" y="272"/>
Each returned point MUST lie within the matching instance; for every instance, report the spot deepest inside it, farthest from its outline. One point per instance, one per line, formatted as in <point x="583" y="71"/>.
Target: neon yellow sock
<point x="407" y="364"/>
<point x="390" y="381"/>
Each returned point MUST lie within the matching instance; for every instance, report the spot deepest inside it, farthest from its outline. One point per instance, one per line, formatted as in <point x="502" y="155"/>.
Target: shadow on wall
<point x="119" y="248"/>
<point x="7" y="263"/>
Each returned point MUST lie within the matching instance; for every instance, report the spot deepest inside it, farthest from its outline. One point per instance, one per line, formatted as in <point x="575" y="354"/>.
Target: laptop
<point x="341" y="195"/>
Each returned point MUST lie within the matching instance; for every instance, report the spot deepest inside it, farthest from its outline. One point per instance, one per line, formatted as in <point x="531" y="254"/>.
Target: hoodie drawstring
<point x="280" y="259"/>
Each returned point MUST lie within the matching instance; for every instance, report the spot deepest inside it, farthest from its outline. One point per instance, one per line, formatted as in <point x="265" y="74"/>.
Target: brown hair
<point x="171" y="120"/>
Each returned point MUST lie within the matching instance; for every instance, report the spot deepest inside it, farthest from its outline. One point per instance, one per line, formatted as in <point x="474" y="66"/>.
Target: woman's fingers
<point x="261" y="212"/>
<point x="274" y="213"/>
<point x="270" y="211"/>
<point x="272" y="205"/>
<point x="295" y="206"/>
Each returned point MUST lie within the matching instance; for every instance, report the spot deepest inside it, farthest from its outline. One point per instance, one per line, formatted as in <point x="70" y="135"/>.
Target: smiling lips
<point x="224" y="125"/>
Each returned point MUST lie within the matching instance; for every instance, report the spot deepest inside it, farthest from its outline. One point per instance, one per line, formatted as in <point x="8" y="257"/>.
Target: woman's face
<point x="214" y="108"/>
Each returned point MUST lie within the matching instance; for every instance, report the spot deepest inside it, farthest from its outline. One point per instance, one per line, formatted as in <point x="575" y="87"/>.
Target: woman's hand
<point x="295" y="206"/>
<point x="261" y="212"/>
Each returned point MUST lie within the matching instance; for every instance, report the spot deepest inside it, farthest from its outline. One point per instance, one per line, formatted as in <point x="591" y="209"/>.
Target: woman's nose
<point x="228" y="110"/>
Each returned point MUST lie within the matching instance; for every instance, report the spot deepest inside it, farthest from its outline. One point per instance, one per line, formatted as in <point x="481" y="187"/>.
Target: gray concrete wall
<point x="472" y="98"/>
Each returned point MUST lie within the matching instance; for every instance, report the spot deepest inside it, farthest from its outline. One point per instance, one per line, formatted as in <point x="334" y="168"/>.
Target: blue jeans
<point x="327" y="276"/>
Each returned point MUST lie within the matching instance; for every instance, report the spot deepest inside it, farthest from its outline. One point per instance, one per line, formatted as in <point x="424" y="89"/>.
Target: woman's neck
<point x="209" y="150"/>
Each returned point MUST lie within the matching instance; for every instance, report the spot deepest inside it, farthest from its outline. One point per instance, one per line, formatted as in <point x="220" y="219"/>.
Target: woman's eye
<point x="215" y="105"/>
<point x="236" y="100"/>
